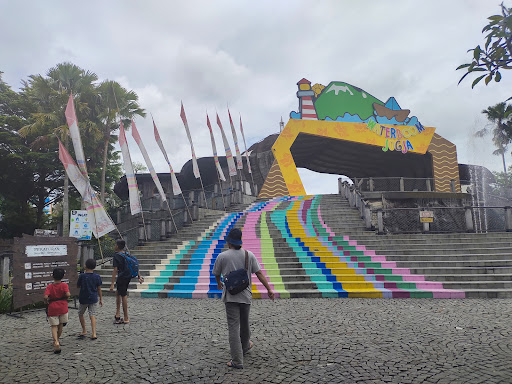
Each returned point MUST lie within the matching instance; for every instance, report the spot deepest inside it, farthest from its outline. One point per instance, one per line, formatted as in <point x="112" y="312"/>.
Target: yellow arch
<point x="355" y="132"/>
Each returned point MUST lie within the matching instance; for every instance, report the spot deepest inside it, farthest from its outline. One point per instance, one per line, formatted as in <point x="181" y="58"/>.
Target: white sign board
<point x="79" y="225"/>
<point x="46" y="250"/>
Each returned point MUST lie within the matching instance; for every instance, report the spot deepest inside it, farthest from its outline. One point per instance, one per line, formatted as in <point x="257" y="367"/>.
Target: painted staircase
<point x="316" y="246"/>
<point x="480" y="264"/>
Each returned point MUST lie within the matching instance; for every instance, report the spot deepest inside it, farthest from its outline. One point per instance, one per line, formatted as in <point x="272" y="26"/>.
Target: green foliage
<point x="30" y="122"/>
<point x="5" y="298"/>
<point x="496" y="54"/>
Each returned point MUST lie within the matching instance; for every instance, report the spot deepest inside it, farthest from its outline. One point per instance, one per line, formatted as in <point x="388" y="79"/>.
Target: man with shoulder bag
<point x="236" y="266"/>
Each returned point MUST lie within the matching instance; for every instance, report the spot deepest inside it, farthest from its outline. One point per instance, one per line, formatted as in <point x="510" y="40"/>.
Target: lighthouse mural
<point x="305" y="94"/>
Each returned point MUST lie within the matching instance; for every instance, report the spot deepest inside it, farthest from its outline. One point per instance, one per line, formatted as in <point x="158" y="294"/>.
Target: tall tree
<point x="115" y="103"/>
<point x="496" y="55"/>
<point x="50" y="94"/>
<point x="499" y="117"/>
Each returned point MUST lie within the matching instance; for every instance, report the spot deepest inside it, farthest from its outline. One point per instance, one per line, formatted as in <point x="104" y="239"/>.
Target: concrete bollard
<point x="452" y="185"/>
<point x="508" y="219"/>
<point x="148" y="229"/>
<point x="4" y="270"/>
<point x="141" y="234"/>
<point x="170" y="226"/>
<point x="367" y="216"/>
<point x="340" y="186"/>
<point x="380" y="222"/>
<point x="163" y="230"/>
<point x="195" y="212"/>
<point x="402" y="184"/>
<point x="429" y="186"/>
<point x="372" y="186"/>
<point x="468" y="213"/>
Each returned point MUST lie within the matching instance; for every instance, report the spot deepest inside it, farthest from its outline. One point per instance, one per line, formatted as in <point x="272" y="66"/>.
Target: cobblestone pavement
<point x="296" y="341"/>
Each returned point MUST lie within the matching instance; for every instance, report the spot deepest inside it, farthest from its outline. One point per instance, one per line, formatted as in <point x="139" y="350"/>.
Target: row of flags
<point x="77" y="172"/>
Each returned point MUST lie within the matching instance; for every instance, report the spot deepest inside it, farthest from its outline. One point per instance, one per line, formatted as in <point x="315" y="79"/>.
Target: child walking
<point x="90" y="288"/>
<point x="56" y="296"/>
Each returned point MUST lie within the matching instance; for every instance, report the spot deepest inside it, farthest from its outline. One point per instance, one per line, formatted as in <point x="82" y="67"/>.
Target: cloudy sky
<point x="251" y="54"/>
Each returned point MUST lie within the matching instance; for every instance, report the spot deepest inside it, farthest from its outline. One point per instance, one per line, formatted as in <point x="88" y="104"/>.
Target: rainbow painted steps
<point x="300" y="255"/>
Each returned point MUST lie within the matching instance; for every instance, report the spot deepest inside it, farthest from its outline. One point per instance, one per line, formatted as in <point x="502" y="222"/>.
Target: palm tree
<point x="499" y="117"/>
<point x="50" y="94"/>
<point x="115" y="102"/>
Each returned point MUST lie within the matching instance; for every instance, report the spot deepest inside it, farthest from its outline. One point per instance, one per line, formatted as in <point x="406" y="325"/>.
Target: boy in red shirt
<point x="56" y="295"/>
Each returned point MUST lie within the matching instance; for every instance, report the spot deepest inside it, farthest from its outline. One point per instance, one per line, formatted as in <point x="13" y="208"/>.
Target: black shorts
<point x="122" y="286"/>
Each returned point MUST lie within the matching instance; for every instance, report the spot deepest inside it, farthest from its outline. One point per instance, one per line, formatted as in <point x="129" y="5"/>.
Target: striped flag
<point x="214" y="148"/>
<point x="142" y="148"/>
<point x="248" y="158"/>
<point x="75" y="135"/>
<point x="175" y="185"/>
<point x="76" y="177"/>
<point x="102" y="224"/>
<point x="239" y="163"/>
<point x="194" y="160"/>
<point x="133" y="189"/>
<point x="229" y="156"/>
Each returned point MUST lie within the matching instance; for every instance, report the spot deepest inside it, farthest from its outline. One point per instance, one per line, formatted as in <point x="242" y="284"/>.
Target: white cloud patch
<point x="251" y="55"/>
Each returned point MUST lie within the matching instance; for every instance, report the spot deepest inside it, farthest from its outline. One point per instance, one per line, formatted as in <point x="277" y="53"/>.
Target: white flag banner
<point x="175" y="185"/>
<point x="195" y="167"/>
<point x="247" y="156"/>
<point x="214" y="148"/>
<point x="239" y="163"/>
<point x="154" y="176"/>
<point x="74" y="132"/>
<point x="101" y="222"/>
<point x="133" y="189"/>
<point x="229" y="155"/>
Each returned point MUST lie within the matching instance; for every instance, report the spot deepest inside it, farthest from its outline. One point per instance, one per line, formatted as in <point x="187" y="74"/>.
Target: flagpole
<point x="172" y="218"/>
<point x="247" y="156"/>
<point x="204" y="193"/>
<point x="221" y="189"/>
<point x="140" y="203"/>
<point x="186" y="205"/>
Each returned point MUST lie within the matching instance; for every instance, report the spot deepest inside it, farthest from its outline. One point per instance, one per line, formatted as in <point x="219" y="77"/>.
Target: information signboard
<point x="79" y="226"/>
<point x="34" y="260"/>
<point x="426" y="216"/>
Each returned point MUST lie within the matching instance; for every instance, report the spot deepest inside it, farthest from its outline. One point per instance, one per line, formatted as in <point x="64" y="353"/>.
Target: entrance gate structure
<point x="342" y="129"/>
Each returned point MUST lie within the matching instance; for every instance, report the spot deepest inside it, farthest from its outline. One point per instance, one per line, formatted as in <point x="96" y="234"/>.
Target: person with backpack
<point x="236" y="266"/>
<point x="126" y="267"/>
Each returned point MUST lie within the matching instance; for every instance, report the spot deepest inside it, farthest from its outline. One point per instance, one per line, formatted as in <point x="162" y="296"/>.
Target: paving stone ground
<point x="296" y="341"/>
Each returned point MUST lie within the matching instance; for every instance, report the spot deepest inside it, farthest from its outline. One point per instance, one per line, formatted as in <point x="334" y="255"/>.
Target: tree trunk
<point x="65" y="201"/>
<point x="104" y="170"/>
<point x="65" y="208"/>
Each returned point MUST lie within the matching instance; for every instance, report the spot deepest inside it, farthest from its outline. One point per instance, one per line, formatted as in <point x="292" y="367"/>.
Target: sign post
<point x="34" y="259"/>
<point x="79" y="225"/>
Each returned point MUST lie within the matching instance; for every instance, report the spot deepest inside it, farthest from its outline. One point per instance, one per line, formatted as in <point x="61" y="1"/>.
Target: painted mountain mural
<point x="340" y="101"/>
<point x="339" y="98"/>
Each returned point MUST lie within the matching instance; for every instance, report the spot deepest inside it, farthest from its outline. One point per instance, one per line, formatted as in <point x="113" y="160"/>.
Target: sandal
<point x="94" y="338"/>
<point x="251" y="344"/>
<point x="56" y="348"/>
<point x="82" y="336"/>
<point x="233" y="365"/>
<point x="119" y="321"/>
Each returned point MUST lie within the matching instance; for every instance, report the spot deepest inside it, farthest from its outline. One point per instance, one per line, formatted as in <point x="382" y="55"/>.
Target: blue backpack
<point x="132" y="265"/>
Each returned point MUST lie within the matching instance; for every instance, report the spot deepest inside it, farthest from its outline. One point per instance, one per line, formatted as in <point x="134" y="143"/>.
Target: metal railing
<point x="402" y="184"/>
<point x="480" y="219"/>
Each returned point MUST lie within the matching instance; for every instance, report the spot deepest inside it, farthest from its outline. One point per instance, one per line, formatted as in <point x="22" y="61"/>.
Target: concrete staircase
<point x="478" y="264"/>
<point x="317" y="246"/>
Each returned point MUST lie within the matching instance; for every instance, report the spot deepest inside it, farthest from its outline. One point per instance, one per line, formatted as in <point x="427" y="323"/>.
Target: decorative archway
<point x="381" y="132"/>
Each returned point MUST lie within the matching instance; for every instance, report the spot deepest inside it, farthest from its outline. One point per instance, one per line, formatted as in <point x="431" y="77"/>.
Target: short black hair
<point x="237" y="247"/>
<point x="90" y="264"/>
<point x="58" y="273"/>
<point x="121" y="244"/>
